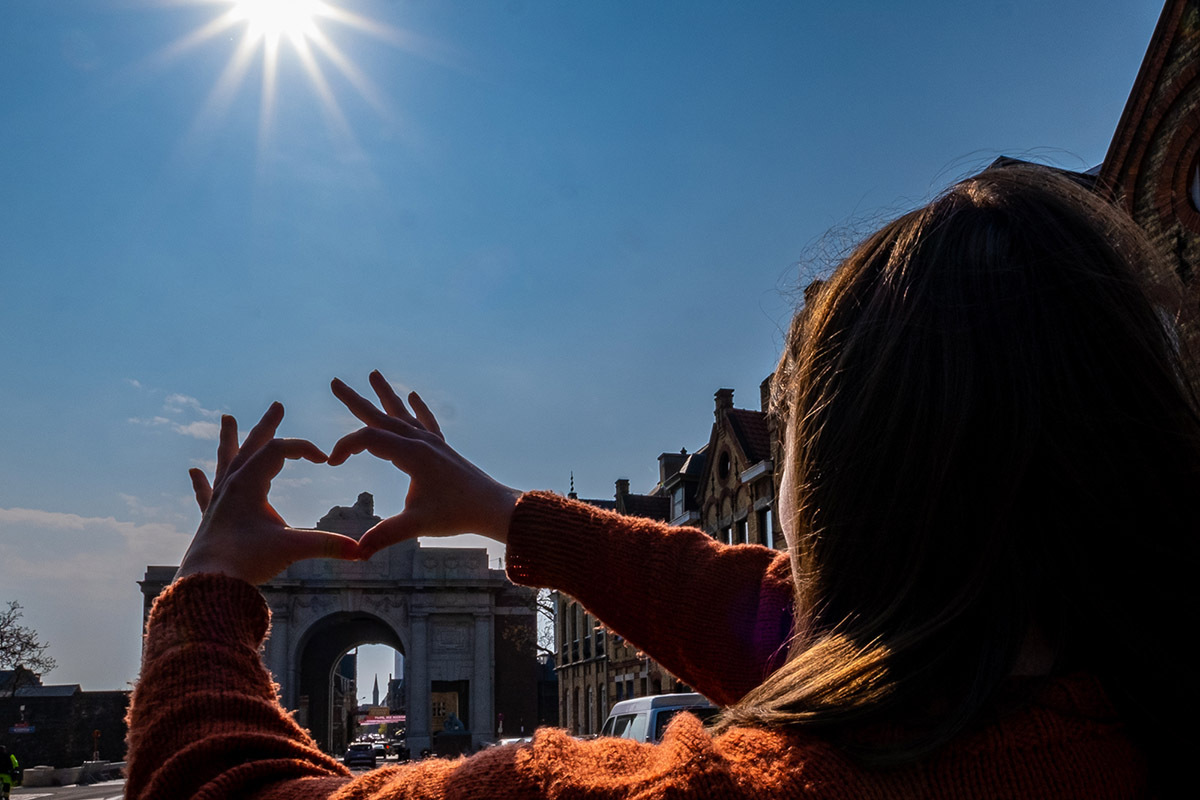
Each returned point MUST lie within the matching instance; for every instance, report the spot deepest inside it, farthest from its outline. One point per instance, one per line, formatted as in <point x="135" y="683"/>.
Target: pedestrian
<point x="989" y="496"/>
<point x="10" y="771"/>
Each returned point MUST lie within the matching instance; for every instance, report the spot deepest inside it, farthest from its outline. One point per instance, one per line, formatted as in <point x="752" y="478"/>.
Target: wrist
<point x="500" y="513"/>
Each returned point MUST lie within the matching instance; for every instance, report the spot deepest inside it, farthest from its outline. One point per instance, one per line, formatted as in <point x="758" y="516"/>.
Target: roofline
<point x="1122" y="144"/>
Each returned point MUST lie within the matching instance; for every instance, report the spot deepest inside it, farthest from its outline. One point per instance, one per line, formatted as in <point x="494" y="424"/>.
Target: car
<point x="360" y="754"/>
<point x="644" y="719"/>
<point x="399" y="748"/>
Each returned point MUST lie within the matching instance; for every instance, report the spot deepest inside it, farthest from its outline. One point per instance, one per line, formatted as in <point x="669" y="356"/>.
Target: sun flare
<point x="273" y="32"/>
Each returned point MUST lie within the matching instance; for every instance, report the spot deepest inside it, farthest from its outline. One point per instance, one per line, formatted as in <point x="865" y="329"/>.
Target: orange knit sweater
<point x="205" y="721"/>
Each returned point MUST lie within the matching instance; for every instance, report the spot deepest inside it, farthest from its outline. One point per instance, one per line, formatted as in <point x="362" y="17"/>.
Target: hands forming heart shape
<point x="242" y="536"/>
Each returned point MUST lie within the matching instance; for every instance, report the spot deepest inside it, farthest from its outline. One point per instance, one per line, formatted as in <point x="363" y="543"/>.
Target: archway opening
<point x="331" y="678"/>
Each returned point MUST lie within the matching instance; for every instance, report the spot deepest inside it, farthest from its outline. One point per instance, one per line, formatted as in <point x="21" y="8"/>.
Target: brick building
<point x="736" y="492"/>
<point x="1152" y="168"/>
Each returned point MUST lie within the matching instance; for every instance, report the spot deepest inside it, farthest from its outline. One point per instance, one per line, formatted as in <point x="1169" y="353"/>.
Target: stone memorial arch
<point x="467" y="634"/>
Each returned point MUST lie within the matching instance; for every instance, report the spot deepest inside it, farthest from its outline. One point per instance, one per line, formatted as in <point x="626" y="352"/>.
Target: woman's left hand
<point x="241" y="535"/>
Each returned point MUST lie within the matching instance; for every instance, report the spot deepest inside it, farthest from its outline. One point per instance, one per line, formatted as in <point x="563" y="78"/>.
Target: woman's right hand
<point x="447" y="494"/>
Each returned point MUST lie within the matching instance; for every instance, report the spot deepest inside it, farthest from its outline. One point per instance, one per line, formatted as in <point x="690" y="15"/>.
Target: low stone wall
<point x="89" y="772"/>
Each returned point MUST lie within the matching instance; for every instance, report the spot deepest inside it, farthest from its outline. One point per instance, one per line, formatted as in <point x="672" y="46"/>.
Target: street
<point x="106" y="790"/>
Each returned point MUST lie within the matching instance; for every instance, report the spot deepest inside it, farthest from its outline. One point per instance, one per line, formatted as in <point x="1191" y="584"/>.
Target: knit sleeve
<point x="204" y="720"/>
<point x="716" y="616"/>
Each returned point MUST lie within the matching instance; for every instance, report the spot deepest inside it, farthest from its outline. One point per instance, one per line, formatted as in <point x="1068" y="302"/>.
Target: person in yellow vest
<point x="10" y="771"/>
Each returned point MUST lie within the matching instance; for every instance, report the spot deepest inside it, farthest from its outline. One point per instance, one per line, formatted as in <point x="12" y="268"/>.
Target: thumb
<point x="201" y="487"/>
<point x="303" y="543"/>
<point x="388" y="532"/>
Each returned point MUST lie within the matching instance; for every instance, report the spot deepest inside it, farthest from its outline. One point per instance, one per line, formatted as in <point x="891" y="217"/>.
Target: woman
<point x="989" y="495"/>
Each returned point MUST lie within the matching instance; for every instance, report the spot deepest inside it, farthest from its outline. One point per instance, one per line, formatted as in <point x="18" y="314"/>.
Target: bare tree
<point x="20" y="648"/>
<point x="544" y="605"/>
<point x="541" y="638"/>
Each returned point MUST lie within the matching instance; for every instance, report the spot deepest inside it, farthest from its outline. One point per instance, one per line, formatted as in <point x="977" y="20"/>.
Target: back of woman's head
<point x="992" y="445"/>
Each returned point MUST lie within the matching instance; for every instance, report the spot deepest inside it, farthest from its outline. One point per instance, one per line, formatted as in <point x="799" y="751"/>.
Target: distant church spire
<point x="571" y="494"/>
<point x="375" y="691"/>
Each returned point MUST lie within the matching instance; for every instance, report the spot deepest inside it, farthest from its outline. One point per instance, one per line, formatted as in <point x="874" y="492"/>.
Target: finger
<point x="395" y="447"/>
<point x="262" y="467"/>
<point x="301" y="543"/>
<point x="388" y="398"/>
<point x="260" y="434"/>
<point x="227" y="446"/>
<point x="358" y="405"/>
<point x="201" y="487"/>
<point x="390" y="531"/>
<point x="424" y="415"/>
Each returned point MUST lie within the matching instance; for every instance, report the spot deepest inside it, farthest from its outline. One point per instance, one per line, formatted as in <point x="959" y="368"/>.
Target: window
<point x="622" y="726"/>
<point x="677" y="504"/>
<point x="723" y="465"/>
<point x="739" y="532"/>
<point x="765" y="533"/>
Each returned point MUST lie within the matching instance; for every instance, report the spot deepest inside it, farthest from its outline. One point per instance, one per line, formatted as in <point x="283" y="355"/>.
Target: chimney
<point x="622" y="487"/>
<point x="724" y="399"/>
<point x="764" y="393"/>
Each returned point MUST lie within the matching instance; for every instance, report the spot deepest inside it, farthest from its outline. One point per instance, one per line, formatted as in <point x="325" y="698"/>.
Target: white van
<point x="645" y="718"/>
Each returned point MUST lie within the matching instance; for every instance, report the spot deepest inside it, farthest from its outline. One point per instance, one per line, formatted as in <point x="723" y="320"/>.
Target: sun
<point x="273" y="31"/>
<point x="273" y="19"/>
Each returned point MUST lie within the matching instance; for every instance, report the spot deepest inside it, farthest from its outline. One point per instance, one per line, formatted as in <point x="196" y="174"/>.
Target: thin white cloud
<point x="199" y="430"/>
<point x="172" y="508"/>
<point x="182" y="414"/>
<point x="209" y="465"/>
<point x="290" y="483"/>
<point x="182" y="402"/>
<point x="144" y="536"/>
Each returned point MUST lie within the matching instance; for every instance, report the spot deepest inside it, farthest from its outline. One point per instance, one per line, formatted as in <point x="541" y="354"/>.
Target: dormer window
<point x="677" y="502"/>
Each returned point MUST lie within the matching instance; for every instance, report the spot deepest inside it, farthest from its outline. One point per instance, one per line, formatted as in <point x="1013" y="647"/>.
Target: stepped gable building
<point x="736" y="493"/>
<point x="732" y="497"/>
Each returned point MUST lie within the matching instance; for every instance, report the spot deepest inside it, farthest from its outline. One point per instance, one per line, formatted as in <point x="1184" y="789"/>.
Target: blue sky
<point x="566" y="223"/>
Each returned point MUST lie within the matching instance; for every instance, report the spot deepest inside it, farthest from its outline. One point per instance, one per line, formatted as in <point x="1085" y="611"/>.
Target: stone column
<point x="483" y="717"/>
<point x="417" y="666"/>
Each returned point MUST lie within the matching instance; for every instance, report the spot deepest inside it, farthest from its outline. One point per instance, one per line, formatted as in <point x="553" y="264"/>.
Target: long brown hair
<point x="992" y="441"/>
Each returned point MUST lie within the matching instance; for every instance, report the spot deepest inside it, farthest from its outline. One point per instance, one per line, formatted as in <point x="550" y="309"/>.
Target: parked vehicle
<point x="399" y="749"/>
<point x="645" y="718"/>
<point x="360" y="754"/>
